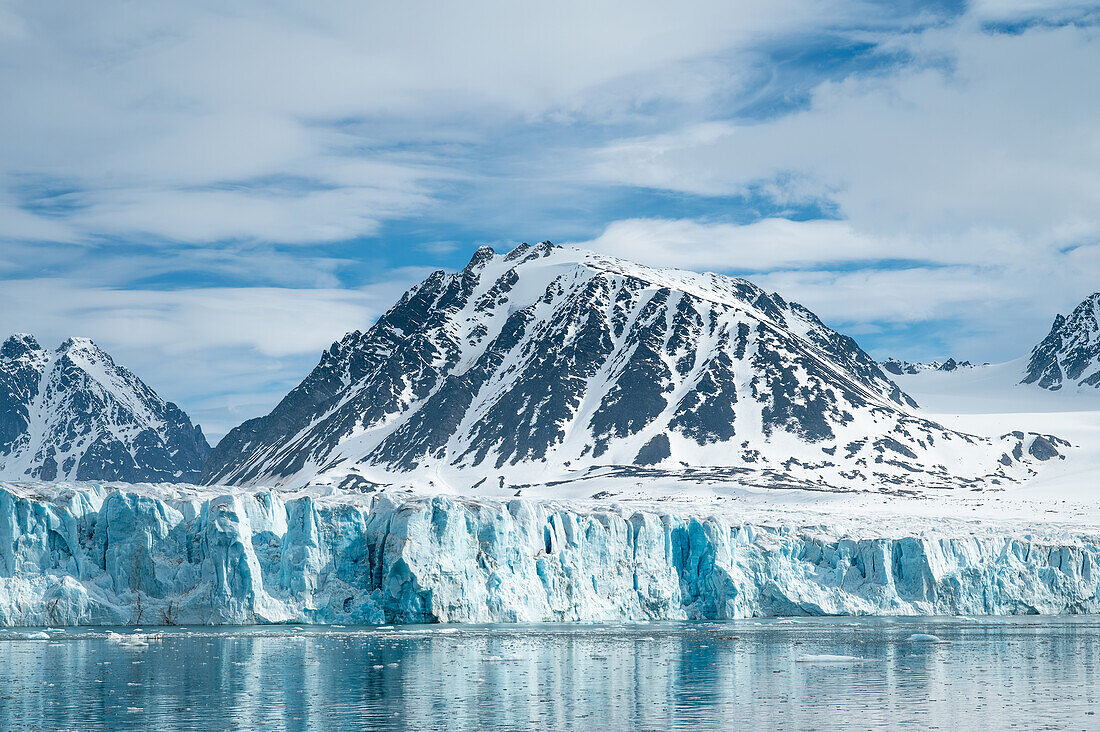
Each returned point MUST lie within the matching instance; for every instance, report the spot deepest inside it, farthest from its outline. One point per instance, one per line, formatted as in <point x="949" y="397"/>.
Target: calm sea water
<point x="1022" y="673"/>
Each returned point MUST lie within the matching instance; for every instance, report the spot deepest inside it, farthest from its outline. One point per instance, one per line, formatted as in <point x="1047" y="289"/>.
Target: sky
<point x="216" y="191"/>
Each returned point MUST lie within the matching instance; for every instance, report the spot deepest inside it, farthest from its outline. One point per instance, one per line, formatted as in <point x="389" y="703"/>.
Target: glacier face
<point x="94" y="554"/>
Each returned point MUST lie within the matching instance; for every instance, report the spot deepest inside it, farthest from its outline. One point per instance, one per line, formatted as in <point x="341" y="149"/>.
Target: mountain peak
<point x="481" y="256"/>
<point x="1070" y="353"/>
<point x="74" y="414"/>
<point x="552" y="361"/>
<point x="898" y="367"/>
<point x="19" y="344"/>
<point x="80" y="344"/>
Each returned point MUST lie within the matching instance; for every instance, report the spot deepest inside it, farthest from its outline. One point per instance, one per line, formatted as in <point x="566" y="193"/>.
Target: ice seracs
<point x="547" y="363"/>
<point x="73" y="413"/>
<point x="155" y="555"/>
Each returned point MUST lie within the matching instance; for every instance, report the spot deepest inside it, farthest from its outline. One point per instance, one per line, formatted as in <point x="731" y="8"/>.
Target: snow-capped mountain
<point x="1070" y="354"/>
<point x="900" y="368"/>
<point x="547" y="363"/>
<point x="75" y="414"/>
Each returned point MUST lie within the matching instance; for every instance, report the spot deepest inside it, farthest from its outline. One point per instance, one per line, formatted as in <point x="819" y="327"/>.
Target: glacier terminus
<point x="102" y="554"/>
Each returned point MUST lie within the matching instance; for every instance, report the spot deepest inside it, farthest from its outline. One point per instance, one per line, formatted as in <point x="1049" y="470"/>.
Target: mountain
<point x="901" y="368"/>
<point x="74" y="414"/>
<point x="1070" y="354"/>
<point x="546" y="364"/>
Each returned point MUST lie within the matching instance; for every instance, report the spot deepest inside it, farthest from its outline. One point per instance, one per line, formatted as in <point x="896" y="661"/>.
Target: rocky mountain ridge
<point x="898" y="367"/>
<point x="544" y="363"/>
<point x="74" y="414"/>
<point x="1070" y="353"/>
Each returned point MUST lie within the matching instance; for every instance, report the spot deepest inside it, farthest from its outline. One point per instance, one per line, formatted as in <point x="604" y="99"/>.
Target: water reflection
<point x="991" y="674"/>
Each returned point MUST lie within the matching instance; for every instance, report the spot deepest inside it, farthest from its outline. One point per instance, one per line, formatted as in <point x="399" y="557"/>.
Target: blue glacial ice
<point x="92" y="554"/>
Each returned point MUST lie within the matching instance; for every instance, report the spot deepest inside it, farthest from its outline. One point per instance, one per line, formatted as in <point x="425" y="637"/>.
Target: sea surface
<point x="766" y="674"/>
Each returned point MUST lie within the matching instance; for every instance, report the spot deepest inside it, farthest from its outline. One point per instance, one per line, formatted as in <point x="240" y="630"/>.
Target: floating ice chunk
<point x="36" y="636"/>
<point x="132" y="641"/>
<point x="925" y="638"/>
<point x="826" y="658"/>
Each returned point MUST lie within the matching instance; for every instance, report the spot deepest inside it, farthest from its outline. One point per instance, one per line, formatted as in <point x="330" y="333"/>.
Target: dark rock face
<point x="1070" y="354"/>
<point x="1044" y="447"/>
<point x="654" y="451"/>
<point x="74" y="414"/>
<point x="23" y="361"/>
<point x="548" y="360"/>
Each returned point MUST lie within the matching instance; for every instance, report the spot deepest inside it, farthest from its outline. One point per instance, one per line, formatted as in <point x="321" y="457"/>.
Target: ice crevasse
<point x="107" y="555"/>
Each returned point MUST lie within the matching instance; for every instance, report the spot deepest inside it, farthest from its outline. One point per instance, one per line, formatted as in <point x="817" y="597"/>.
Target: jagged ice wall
<point x="103" y="555"/>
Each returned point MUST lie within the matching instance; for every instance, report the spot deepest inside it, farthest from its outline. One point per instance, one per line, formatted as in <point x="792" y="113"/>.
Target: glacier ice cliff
<point x="95" y="554"/>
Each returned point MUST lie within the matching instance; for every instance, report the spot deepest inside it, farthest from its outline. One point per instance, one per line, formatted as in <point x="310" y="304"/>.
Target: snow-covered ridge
<point x="907" y="368"/>
<point x="96" y="554"/>
<point x="546" y="363"/>
<point x="73" y="413"/>
<point x="1070" y="354"/>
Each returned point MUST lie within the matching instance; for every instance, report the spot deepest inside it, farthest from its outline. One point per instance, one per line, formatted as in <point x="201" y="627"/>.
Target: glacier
<point x="102" y="554"/>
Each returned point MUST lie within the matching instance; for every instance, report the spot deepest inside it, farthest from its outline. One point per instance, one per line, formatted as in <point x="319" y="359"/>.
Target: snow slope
<point x="74" y="413"/>
<point x="985" y="400"/>
<point x="549" y="364"/>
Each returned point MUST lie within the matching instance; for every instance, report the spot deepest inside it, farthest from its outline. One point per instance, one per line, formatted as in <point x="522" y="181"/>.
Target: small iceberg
<point x="826" y="658"/>
<point x="925" y="638"/>
<point x="130" y="641"/>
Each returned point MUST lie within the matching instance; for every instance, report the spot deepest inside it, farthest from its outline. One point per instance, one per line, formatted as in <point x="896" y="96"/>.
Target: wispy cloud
<point x="979" y="159"/>
<point x="171" y="120"/>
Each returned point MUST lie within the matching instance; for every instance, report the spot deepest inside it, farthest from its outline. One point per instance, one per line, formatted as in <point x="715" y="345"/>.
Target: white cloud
<point x="1005" y="141"/>
<point x="982" y="160"/>
<point x="212" y="215"/>
<point x="762" y="245"/>
<point x="169" y="120"/>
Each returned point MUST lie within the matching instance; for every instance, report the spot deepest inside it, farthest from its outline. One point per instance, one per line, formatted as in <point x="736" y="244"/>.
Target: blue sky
<point x="216" y="191"/>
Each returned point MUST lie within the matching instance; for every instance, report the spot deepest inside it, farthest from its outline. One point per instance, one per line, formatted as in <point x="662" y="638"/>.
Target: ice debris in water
<point x="133" y="640"/>
<point x="925" y="638"/>
<point x="826" y="658"/>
